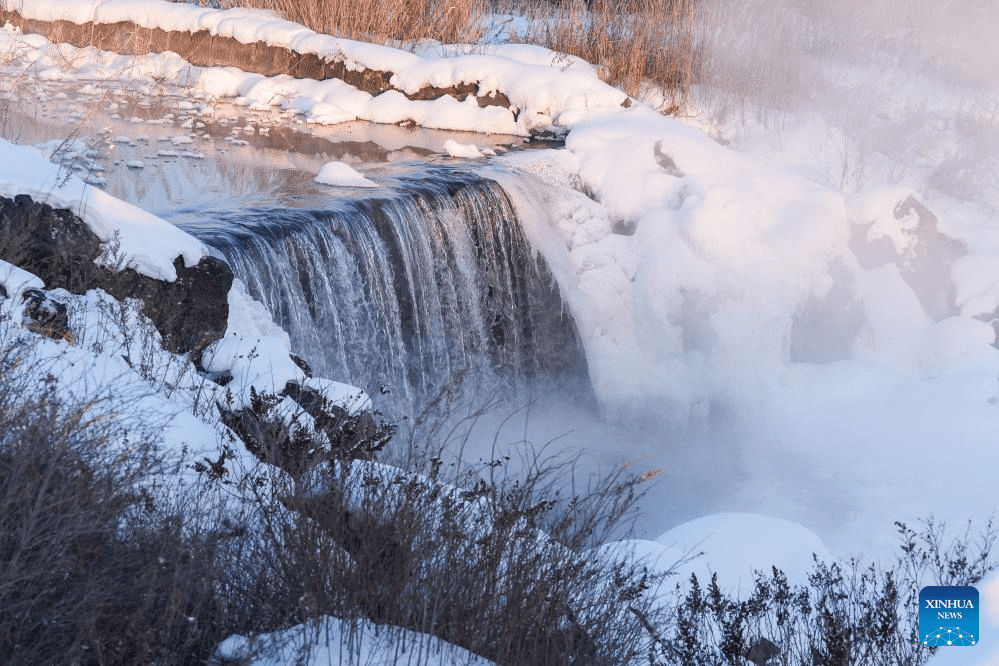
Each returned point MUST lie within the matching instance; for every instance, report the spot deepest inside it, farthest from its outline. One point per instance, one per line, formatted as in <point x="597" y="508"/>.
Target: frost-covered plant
<point x="634" y="43"/>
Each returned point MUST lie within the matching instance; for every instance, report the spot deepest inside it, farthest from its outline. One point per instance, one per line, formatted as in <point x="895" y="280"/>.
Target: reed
<point x="383" y="21"/>
<point x="636" y="44"/>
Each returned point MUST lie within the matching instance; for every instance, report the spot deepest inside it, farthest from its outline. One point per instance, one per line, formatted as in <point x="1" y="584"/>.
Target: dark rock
<point x="351" y="436"/>
<point x="286" y="446"/>
<point x="296" y="449"/>
<point x="926" y="263"/>
<point x="222" y="380"/>
<point x="762" y="651"/>
<point x="928" y="271"/>
<point x="824" y="328"/>
<point x="625" y="227"/>
<point x="551" y="137"/>
<point x="190" y="312"/>
<point x="303" y="364"/>
<point x="53" y="244"/>
<point x="666" y="161"/>
<point x="46" y="316"/>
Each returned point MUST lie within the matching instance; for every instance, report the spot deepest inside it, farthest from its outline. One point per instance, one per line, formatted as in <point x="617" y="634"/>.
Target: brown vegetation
<point x="382" y="21"/>
<point x="632" y="42"/>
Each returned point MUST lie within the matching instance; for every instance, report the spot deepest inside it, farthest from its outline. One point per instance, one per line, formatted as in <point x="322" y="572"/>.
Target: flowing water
<point x="413" y="286"/>
<point x="424" y="283"/>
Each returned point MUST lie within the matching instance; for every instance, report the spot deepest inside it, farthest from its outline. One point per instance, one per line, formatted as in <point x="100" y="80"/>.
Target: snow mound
<point x="342" y="175"/>
<point x="262" y="363"/>
<point x="455" y="149"/>
<point x="248" y="316"/>
<point x="737" y="544"/>
<point x="14" y="281"/>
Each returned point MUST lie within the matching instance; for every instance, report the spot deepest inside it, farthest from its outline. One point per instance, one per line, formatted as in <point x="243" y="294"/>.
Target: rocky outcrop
<point x="286" y="442"/>
<point x="926" y="262"/>
<point x="190" y="312"/>
<point x="46" y="316"/>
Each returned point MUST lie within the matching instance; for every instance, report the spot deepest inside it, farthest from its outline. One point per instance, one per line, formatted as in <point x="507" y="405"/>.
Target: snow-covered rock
<point x="150" y="243"/>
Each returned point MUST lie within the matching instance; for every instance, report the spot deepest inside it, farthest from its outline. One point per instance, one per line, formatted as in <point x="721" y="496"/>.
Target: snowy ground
<point x="719" y="269"/>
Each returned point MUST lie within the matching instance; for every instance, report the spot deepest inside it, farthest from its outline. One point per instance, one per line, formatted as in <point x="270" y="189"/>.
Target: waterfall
<point x="409" y="287"/>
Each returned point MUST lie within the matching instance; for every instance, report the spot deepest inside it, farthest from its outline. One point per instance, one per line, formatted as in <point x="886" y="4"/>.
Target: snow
<point x="352" y="399"/>
<point x="328" y="640"/>
<point x="15" y="281"/>
<point x="343" y="175"/>
<point x="249" y="318"/>
<point x="263" y="363"/>
<point x="455" y="149"/>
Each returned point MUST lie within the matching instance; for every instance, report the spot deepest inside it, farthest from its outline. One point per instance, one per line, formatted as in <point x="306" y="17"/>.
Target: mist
<point x="908" y="89"/>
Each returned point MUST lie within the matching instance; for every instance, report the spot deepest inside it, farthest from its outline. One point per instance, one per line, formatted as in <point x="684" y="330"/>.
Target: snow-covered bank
<point x="541" y="87"/>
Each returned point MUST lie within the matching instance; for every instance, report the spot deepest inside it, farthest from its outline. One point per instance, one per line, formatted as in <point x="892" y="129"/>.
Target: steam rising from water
<point x="909" y="88"/>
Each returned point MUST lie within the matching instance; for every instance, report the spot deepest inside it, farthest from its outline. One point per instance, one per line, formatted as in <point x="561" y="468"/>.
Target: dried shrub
<point x="848" y="613"/>
<point x="93" y="569"/>
<point x="383" y="21"/>
<point x="495" y="564"/>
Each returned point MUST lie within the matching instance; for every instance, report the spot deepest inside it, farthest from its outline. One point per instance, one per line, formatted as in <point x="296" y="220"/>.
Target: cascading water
<point x="412" y="287"/>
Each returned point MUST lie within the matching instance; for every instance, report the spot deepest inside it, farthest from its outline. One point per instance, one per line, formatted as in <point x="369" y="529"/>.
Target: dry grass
<point x="633" y="42"/>
<point x="383" y="21"/>
<point x="96" y="566"/>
